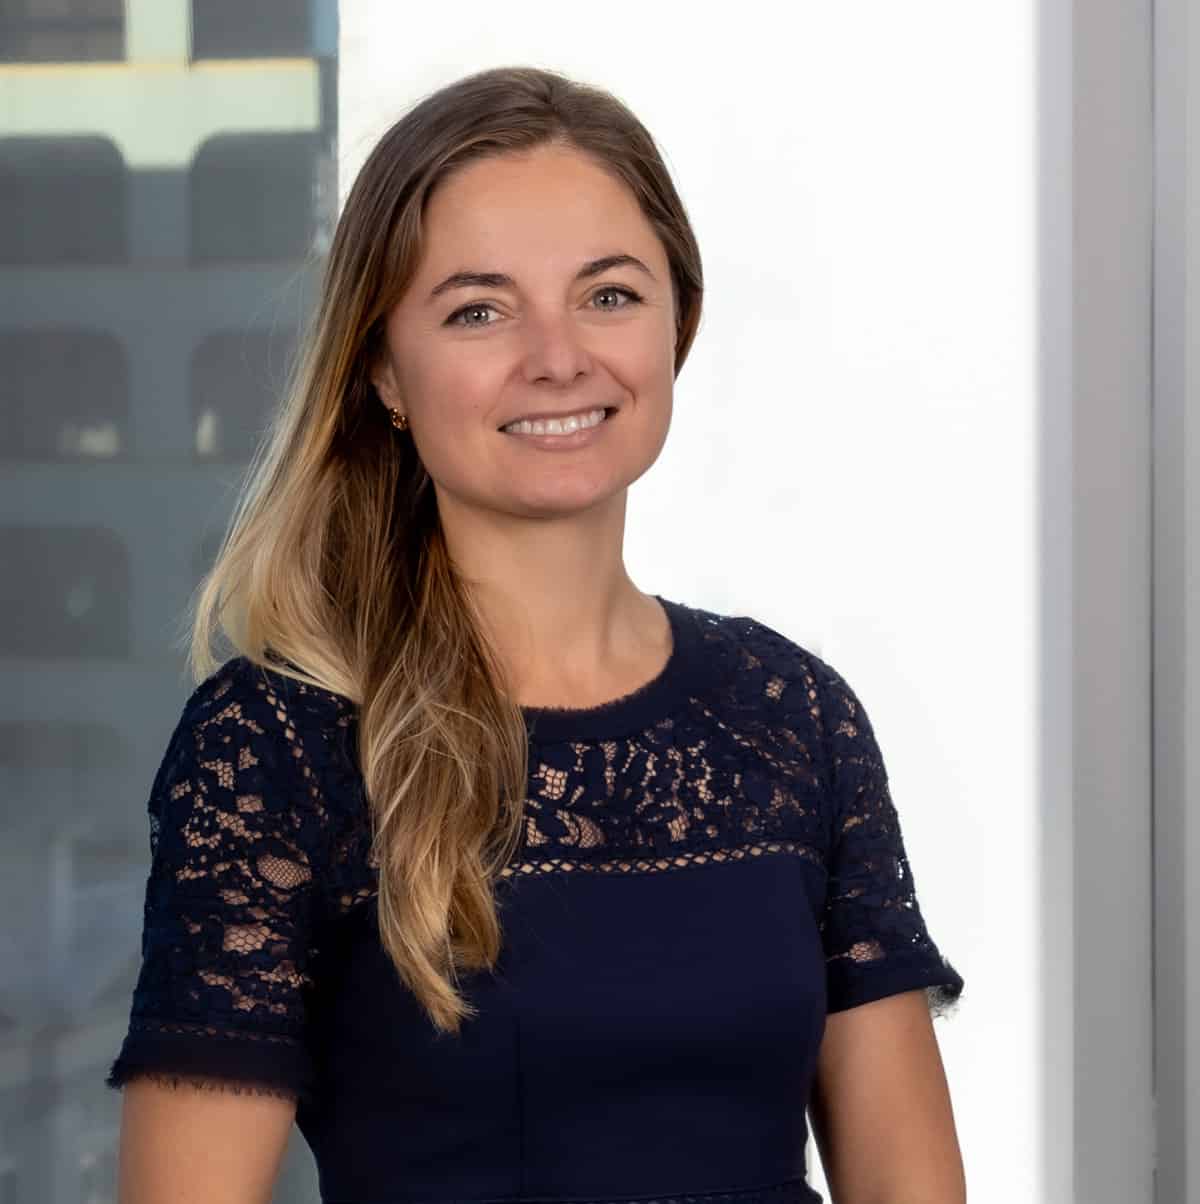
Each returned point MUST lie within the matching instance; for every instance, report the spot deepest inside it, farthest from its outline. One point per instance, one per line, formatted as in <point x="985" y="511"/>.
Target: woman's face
<point x="463" y="359"/>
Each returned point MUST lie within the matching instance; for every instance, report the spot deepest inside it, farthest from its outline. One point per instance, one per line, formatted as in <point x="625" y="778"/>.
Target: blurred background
<point x="167" y="194"/>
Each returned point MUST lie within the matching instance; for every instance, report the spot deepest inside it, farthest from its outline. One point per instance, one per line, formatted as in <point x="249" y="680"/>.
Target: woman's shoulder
<point x="773" y="670"/>
<point x="255" y="741"/>
<point x="242" y="683"/>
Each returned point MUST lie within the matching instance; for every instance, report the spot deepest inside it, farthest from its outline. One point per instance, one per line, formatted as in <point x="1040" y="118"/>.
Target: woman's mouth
<point x="551" y="434"/>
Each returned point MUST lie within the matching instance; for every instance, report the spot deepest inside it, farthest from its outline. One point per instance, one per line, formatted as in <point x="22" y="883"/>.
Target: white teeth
<point x="555" y="426"/>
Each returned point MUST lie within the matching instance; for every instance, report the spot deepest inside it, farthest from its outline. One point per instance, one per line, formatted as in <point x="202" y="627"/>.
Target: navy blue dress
<point x="709" y="866"/>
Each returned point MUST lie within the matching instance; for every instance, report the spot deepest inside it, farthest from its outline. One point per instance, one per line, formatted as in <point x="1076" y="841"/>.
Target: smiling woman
<point x="557" y="335"/>
<point x="450" y="706"/>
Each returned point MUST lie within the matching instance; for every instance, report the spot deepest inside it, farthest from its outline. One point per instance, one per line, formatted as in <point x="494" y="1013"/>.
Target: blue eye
<point x="452" y="320"/>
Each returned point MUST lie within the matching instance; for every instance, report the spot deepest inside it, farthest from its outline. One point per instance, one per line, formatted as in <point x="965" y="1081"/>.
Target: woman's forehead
<point x="535" y="232"/>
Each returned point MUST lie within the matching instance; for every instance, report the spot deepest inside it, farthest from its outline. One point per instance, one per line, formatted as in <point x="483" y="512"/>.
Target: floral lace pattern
<point x="259" y="835"/>
<point x="238" y="826"/>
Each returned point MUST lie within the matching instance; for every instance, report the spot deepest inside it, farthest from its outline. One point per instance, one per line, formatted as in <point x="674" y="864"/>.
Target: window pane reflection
<point x="156" y="265"/>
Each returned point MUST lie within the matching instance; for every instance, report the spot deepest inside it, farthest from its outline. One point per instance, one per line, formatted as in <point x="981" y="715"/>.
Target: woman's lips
<point x="579" y="438"/>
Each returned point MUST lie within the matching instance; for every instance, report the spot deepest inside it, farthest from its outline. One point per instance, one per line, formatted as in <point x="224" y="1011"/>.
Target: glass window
<point x="61" y="31"/>
<point x="158" y="257"/>
<point x="233" y="29"/>
<point x="64" y="395"/>
<point x="62" y="200"/>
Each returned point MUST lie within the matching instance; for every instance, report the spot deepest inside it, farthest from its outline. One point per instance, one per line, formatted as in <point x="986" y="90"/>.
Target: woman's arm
<point x="880" y="1107"/>
<point x="200" y="1145"/>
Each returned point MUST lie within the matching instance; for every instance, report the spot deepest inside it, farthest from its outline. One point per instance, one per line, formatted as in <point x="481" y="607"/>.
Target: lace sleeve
<point x="874" y="936"/>
<point x="236" y="839"/>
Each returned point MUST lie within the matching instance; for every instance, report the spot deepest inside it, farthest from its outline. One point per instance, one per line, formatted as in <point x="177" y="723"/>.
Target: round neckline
<point x="630" y="712"/>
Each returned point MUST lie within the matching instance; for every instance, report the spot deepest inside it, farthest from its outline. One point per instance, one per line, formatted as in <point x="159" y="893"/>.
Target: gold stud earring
<point x="399" y="421"/>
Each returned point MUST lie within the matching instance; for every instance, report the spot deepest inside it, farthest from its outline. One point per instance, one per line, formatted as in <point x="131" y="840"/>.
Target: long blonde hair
<point x="334" y="559"/>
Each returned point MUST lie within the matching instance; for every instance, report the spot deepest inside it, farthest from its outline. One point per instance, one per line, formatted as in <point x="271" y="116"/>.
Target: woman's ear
<point x="383" y="378"/>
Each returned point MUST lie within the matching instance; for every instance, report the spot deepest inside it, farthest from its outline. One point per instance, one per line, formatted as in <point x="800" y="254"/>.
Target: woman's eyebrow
<point x="469" y="279"/>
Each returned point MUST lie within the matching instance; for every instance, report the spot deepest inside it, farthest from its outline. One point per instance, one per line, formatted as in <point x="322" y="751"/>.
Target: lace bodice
<point x="747" y="748"/>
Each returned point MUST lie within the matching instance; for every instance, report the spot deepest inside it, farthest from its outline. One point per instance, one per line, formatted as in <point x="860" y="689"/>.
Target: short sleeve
<point x="874" y="936"/>
<point x="228" y="927"/>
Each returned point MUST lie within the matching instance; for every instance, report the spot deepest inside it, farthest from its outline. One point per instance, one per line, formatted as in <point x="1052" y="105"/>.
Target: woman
<point x="502" y="878"/>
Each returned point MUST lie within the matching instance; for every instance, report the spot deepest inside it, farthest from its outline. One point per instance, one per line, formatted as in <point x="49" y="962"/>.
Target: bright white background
<point x="874" y="450"/>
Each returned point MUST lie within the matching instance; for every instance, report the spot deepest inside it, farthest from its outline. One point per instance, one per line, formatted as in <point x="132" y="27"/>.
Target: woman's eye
<point x="453" y="320"/>
<point x="633" y="297"/>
